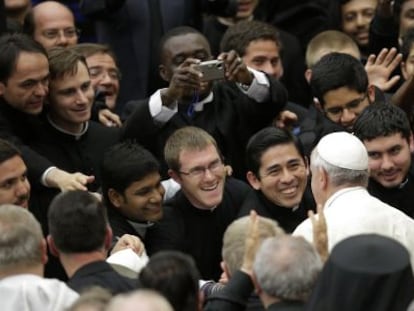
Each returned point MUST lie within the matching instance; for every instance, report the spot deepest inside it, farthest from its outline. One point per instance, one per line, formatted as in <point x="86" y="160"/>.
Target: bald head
<point x="53" y="25"/>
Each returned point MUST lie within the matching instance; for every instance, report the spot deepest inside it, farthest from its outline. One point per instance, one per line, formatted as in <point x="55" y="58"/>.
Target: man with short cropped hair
<point x="385" y="131"/>
<point x="80" y="236"/>
<point x="22" y="258"/>
<point x="278" y="171"/>
<point x="285" y="269"/>
<point x="195" y="219"/>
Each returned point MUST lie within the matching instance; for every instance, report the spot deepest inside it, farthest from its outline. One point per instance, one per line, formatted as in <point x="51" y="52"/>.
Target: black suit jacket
<point x="21" y="128"/>
<point x="197" y="232"/>
<point x="100" y="273"/>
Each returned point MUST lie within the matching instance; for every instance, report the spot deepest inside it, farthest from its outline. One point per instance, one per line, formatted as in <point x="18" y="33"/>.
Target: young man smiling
<point x="385" y="131"/>
<point x="278" y="171"/>
<point x="196" y="217"/>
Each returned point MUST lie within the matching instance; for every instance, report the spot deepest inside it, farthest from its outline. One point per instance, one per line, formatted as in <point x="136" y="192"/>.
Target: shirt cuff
<point x="44" y="175"/>
<point x="259" y="88"/>
<point x="158" y="111"/>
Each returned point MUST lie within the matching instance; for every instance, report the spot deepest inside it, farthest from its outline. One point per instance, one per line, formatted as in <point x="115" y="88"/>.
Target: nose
<point x="41" y="89"/>
<point x="22" y="188"/>
<point x="387" y="163"/>
<point x="360" y="20"/>
<point x="62" y="40"/>
<point x="105" y="78"/>
<point x="270" y="69"/>
<point x="81" y="97"/>
<point x="347" y="118"/>
<point x="287" y="176"/>
<point x="157" y="195"/>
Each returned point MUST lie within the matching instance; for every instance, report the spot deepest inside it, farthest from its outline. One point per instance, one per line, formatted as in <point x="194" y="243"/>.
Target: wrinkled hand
<point x="109" y="119"/>
<point x="235" y="69"/>
<point x="251" y="244"/>
<point x="379" y="68"/>
<point x="185" y="79"/>
<point x="65" y="181"/>
<point x="320" y="232"/>
<point x="285" y="119"/>
<point x="129" y="241"/>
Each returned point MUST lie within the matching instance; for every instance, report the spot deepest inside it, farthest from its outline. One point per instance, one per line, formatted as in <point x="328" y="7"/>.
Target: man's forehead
<point x="186" y="43"/>
<point x="25" y="67"/>
<point x="288" y="150"/>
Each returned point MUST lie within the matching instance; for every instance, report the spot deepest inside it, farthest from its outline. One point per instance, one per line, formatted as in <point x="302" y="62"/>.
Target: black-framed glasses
<point x="214" y="167"/>
<point x="336" y="112"/>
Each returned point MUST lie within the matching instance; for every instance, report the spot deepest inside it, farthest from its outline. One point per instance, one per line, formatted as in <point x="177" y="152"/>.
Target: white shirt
<point x="29" y="292"/>
<point x="353" y="211"/>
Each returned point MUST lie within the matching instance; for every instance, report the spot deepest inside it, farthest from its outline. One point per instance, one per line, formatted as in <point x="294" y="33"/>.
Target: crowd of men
<point x="132" y="178"/>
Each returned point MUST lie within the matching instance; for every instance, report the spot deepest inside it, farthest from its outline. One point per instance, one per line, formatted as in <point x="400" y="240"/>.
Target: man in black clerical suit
<point x="231" y="110"/>
<point x="80" y="236"/>
<point x="278" y="171"/>
<point x="385" y="131"/>
<point x="195" y="219"/>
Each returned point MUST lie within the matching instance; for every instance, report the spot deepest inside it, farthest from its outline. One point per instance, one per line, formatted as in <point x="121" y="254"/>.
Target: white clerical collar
<point x="77" y="135"/>
<point x="199" y="106"/>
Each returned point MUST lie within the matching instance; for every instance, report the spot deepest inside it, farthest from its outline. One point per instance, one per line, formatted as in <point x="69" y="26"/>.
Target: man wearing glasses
<point x="340" y="83"/>
<point x="195" y="219"/>
<point x="51" y="24"/>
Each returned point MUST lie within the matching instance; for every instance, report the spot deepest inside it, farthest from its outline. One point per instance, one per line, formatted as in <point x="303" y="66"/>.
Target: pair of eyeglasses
<point x="99" y="73"/>
<point x="214" y="167"/>
<point x="67" y="33"/>
<point x="336" y="112"/>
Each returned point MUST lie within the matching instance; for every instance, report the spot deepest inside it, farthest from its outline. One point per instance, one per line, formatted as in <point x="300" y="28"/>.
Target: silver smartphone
<point x="211" y="69"/>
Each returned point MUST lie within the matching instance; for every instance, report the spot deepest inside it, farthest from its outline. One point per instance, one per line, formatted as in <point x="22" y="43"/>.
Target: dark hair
<point x="175" y="276"/>
<point x="407" y="43"/>
<point x="11" y="45"/>
<point x="264" y="139"/>
<point x="239" y="36"/>
<point x="397" y="9"/>
<point x="28" y="23"/>
<point x="7" y="151"/>
<point x="379" y="120"/>
<point x="77" y="222"/>
<point x="336" y="70"/>
<point x="123" y="164"/>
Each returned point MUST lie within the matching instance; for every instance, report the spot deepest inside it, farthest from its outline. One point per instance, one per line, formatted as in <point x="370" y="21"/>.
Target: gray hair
<point x="20" y="237"/>
<point x="286" y="267"/>
<point x="339" y="176"/>
<point x="142" y="299"/>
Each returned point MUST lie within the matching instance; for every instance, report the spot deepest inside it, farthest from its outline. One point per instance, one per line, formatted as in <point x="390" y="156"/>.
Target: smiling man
<point x="278" y="171"/>
<point x="385" y="131"/>
<point x="196" y="217"/>
<point x="103" y="70"/>
<point x="67" y="137"/>
<point x="356" y="16"/>
<point x="132" y="189"/>
<point x="340" y="83"/>
<point x="14" y="185"/>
